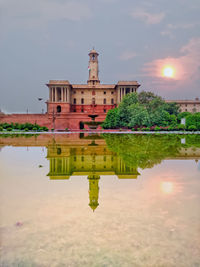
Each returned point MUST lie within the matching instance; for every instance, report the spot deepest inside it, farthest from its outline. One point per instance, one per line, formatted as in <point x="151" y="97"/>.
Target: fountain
<point x="93" y="125"/>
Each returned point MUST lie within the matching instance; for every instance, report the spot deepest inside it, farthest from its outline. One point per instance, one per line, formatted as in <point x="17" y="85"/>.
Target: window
<point x="112" y="101"/>
<point x="74" y="92"/>
<point x="74" y="110"/>
<point x="82" y="110"/>
<point x="104" y="92"/>
<point x="112" y="93"/>
<point x="59" y="151"/>
<point x="186" y="105"/>
<point x="82" y="92"/>
<point x="104" y="110"/>
<point x="74" y="100"/>
<point x="104" y="101"/>
<point x="93" y="101"/>
<point x="82" y="158"/>
<point x="58" y="109"/>
<point x="93" y="82"/>
<point x="82" y="101"/>
<point x="58" y="93"/>
<point x="186" y="109"/>
<point x="93" y="92"/>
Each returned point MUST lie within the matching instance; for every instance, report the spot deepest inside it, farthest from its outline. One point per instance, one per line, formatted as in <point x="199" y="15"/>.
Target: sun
<point x="168" y="72"/>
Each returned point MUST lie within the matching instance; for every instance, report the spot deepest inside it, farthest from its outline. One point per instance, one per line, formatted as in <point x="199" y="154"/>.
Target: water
<point x="91" y="200"/>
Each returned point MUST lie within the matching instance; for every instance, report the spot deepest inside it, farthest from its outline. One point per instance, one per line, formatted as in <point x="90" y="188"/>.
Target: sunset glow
<point x="167" y="187"/>
<point x="168" y="72"/>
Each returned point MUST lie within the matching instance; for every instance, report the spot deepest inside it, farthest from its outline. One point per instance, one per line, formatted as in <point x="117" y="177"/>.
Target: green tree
<point x="138" y="115"/>
<point x="172" y="108"/>
<point x="112" y="119"/>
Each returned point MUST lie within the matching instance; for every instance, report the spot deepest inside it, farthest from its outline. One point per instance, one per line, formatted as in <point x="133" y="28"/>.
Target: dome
<point x="93" y="51"/>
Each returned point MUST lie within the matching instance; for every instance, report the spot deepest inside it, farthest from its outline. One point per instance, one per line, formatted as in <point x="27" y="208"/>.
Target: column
<point x="56" y="99"/>
<point x="64" y="94"/>
<point x="62" y="97"/>
<point x="49" y="94"/>
<point x="68" y="95"/>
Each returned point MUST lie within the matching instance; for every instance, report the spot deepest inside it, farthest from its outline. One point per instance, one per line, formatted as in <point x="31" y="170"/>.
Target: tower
<point x="93" y="190"/>
<point x="93" y="68"/>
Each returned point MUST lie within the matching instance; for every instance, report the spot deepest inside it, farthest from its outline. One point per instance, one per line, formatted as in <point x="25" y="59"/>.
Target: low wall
<point x="61" y="121"/>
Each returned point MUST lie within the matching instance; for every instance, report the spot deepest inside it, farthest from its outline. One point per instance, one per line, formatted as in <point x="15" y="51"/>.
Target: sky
<point x="42" y="40"/>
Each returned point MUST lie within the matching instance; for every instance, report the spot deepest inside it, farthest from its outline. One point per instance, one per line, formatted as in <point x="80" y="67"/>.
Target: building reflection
<point x="91" y="160"/>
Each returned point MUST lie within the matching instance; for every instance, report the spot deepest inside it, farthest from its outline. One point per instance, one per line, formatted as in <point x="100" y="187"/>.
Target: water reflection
<point x="119" y="155"/>
<point x="167" y="187"/>
<point x="149" y="221"/>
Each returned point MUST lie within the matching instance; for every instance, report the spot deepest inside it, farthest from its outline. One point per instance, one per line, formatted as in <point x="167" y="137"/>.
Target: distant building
<point x="187" y="105"/>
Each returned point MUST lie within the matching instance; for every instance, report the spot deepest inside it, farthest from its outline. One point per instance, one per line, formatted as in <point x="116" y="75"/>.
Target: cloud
<point x="127" y="55"/>
<point x="170" y="29"/>
<point x="187" y="65"/>
<point x="36" y="13"/>
<point x="147" y="17"/>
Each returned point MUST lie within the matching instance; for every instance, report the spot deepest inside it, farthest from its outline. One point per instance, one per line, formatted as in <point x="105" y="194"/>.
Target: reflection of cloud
<point x="126" y="55"/>
<point x="187" y="66"/>
<point x="147" y="17"/>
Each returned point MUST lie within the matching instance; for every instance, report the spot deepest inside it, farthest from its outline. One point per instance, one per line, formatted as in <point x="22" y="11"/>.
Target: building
<point x="69" y="104"/>
<point x="187" y="105"/>
<point x="66" y="99"/>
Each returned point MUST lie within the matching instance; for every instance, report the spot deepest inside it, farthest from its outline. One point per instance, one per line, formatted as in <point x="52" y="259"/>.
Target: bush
<point x="45" y="129"/>
<point x="181" y="127"/>
<point x="157" y="128"/>
<point x="26" y="130"/>
<point x="52" y="129"/>
<point x="147" y="129"/>
<point x="66" y="129"/>
<point x="171" y="128"/>
<point x="34" y="129"/>
<point x="1" y="129"/>
<point x="192" y="128"/>
<point x="9" y="129"/>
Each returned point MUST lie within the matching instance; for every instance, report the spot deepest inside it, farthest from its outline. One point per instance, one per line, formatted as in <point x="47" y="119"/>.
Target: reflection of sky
<point x="199" y="165"/>
<point x="138" y="217"/>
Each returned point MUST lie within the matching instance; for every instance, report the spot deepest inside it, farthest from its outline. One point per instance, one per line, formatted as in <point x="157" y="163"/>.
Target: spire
<point x="93" y="67"/>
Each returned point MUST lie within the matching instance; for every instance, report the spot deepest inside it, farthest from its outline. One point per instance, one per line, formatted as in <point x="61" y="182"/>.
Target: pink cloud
<point x="187" y="65"/>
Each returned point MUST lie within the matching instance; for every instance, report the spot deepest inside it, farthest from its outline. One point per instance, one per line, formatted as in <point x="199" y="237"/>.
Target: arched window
<point x="58" y="109"/>
<point x="93" y="101"/>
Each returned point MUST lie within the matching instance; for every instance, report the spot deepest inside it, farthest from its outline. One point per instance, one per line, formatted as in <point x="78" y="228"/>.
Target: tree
<point x="112" y="119"/>
<point x="193" y="120"/>
<point x="138" y="116"/>
<point x="172" y="108"/>
<point x="124" y="113"/>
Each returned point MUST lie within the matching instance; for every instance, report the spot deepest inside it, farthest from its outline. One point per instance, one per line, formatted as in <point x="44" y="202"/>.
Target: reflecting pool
<point x="100" y="200"/>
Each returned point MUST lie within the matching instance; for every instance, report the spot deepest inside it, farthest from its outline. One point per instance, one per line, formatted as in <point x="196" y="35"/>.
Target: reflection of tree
<point x="143" y="151"/>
